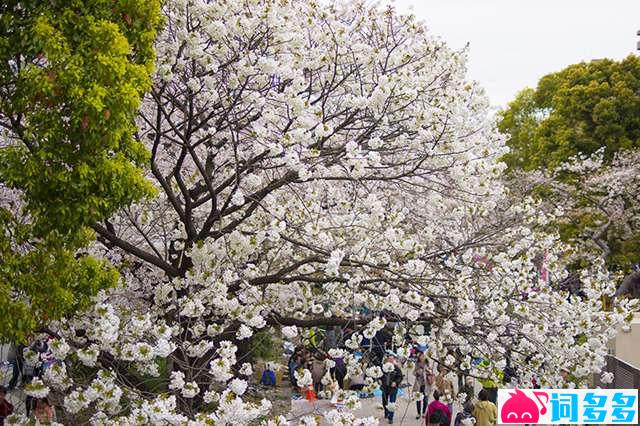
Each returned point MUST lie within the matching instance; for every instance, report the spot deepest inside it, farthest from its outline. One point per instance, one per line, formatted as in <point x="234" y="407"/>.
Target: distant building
<point x="626" y="345"/>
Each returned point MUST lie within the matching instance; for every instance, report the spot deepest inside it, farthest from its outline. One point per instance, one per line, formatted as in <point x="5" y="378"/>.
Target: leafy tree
<point x="72" y="74"/>
<point x="583" y="108"/>
<point x="582" y="116"/>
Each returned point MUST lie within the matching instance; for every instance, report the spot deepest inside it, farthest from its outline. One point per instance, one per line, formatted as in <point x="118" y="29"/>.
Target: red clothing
<point x="6" y="408"/>
<point x="437" y="405"/>
<point x="44" y="413"/>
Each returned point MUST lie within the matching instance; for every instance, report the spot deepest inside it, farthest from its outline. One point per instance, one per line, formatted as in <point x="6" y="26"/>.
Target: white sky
<point x="515" y="42"/>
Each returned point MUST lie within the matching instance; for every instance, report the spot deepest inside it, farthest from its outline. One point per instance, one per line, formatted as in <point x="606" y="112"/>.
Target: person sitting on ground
<point x="44" y="413"/>
<point x="438" y="414"/>
<point x="6" y="408"/>
<point x="485" y="411"/>
<point x="357" y="382"/>
<point x="268" y="375"/>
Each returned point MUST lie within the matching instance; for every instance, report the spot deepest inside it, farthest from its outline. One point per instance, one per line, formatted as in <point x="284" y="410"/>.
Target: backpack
<point x="268" y="378"/>
<point x="438" y="418"/>
<point x="464" y="418"/>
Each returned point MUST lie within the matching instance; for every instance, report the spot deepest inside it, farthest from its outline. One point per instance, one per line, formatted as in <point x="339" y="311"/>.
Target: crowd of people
<point x="476" y="409"/>
<point x="28" y="363"/>
<point x="429" y="384"/>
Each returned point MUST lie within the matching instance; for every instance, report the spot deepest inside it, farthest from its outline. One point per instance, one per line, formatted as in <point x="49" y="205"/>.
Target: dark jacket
<point x="394" y="376"/>
<point x="293" y="367"/>
<point x="6" y="408"/>
<point x="469" y="390"/>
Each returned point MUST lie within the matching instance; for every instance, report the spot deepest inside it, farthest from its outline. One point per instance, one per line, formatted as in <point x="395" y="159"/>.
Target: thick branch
<point x="131" y="249"/>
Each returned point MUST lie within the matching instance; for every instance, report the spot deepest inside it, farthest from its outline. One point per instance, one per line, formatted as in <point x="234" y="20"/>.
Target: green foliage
<point x="578" y="110"/>
<point x="265" y="345"/>
<point x="624" y="251"/>
<point x="154" y="384"/>
<point x="72" y="75"/>
<point x="45" y="283"/>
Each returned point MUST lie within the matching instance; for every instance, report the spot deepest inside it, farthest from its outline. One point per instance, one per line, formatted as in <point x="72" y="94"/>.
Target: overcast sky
<point x="515" y="42"/>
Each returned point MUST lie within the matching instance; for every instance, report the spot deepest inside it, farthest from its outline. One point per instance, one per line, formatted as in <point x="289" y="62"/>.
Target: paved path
<point x="370" y="407"/>
<point x="405" y="414"/>
<point x="405" y="411"/>
<point x="16" y="396"/>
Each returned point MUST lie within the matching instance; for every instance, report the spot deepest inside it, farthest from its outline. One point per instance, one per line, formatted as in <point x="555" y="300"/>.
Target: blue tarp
<point x="378" y="392"/>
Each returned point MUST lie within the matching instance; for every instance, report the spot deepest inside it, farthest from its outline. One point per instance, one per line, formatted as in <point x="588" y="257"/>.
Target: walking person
<point x="16" y="358"/>
<point x="295" y="362"/>
<point x="317" y="373"/>
<point x="438" y="413"/>
<point x="339" y="371"/>
<point x="31" y="369"/>
<point x="444" y="385"/>
<point x="391" y="380"/>
<point x="469" y="390"/>
<point x="485" y="411"/>
<point x="465" y="417"/>
<point x="424" y="380"/>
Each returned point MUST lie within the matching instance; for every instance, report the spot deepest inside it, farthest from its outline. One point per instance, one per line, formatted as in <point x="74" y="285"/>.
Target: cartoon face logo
<point x="519" y="408"/>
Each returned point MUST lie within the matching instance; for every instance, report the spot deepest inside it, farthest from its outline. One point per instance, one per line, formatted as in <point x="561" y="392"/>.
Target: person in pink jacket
<point x="437" y="412"/>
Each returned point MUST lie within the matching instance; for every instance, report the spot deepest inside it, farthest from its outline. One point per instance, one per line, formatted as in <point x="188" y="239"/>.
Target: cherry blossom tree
<point x="311" y="160"/>
<point x="596" y="205"/>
